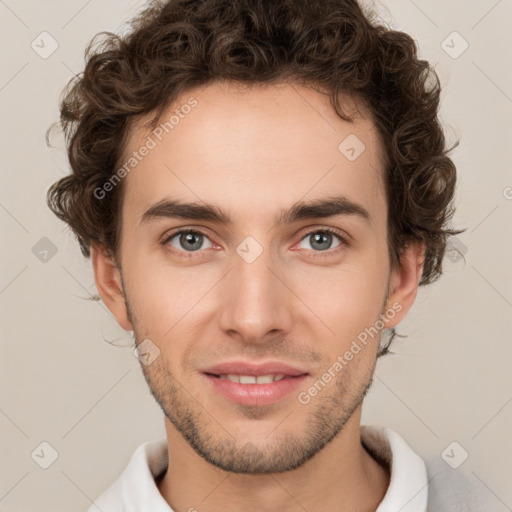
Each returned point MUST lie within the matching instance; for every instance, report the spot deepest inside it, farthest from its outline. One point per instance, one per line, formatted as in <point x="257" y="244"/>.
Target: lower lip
<point x="256" y="394"/>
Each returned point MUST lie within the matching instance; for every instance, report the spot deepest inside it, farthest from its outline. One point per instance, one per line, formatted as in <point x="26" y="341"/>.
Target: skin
<point x="254" y="152"/>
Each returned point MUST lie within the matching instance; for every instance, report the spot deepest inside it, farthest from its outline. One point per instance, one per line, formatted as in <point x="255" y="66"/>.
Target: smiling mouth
<point x="265" y="388"/>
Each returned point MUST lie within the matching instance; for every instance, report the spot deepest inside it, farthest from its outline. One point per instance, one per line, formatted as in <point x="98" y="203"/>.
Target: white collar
<point x="408" y="486"/>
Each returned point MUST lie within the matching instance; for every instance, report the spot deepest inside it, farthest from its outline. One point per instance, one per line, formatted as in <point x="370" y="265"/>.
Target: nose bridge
<point x="256" y="301"/>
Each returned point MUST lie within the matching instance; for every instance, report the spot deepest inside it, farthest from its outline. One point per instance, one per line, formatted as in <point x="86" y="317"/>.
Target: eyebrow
<point x="318" y="208"/>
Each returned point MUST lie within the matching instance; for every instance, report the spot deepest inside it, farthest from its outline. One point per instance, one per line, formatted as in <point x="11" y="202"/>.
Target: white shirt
<point x="448" y="490"/>
<point x="136" y="491"/>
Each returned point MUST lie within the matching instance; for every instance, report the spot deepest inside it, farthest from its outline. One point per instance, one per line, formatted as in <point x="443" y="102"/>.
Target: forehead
<point x="257" y="147"/>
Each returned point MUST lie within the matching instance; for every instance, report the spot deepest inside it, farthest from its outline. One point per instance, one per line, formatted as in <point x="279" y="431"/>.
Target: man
<point x="262" y="187"/>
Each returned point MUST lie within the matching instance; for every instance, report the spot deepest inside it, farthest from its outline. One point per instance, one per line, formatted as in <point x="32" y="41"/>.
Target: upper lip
<point x="254" y="369"/>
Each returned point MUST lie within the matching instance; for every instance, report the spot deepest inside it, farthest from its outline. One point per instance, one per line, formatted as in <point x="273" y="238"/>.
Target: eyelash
<point x="318" y="254"/>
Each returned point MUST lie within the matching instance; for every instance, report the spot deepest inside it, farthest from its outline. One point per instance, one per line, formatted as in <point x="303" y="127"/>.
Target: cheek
<point x="346" y="299"/>
<point x="164" y="297"/>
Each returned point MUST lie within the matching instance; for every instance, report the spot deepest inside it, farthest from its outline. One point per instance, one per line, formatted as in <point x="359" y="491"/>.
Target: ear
<point x="108" y="282"/>
<point x="404" y="283"/>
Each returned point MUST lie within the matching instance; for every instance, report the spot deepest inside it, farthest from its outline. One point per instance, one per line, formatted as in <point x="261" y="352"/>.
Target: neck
<point x="342" y="476"/>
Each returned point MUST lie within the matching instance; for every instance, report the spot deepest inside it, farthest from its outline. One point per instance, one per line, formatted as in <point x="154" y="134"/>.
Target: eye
<point x="321" y="240"/>
<point x="187" y="240"/>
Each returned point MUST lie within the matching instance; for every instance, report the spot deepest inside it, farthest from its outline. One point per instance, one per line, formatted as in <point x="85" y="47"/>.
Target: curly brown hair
<point x="333" y="45"/>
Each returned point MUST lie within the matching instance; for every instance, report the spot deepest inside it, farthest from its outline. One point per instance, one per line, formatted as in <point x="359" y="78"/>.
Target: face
<point x="255" y="282"/>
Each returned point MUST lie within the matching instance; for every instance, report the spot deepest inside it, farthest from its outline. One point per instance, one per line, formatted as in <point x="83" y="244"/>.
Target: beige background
<point x="63" y="384"/>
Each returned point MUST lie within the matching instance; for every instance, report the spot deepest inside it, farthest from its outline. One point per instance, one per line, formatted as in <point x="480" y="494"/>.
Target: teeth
<point x="263" y="379"/>
<point x="251" y="379"/>
<point x="247" y="379"/>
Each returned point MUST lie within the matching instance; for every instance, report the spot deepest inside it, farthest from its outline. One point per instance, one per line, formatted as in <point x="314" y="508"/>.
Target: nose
<point x="257" y="303"/>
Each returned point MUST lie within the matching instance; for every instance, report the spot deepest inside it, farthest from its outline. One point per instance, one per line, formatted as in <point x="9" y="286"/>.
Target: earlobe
<point x="405" y="282"/>
<point x="109" y="284"/>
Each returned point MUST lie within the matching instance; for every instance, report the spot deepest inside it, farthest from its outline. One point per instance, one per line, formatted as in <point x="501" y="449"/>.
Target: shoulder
<point x="135" y="489"/>
<point x="434" y="485"/>
<point x="456" y="490"/>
